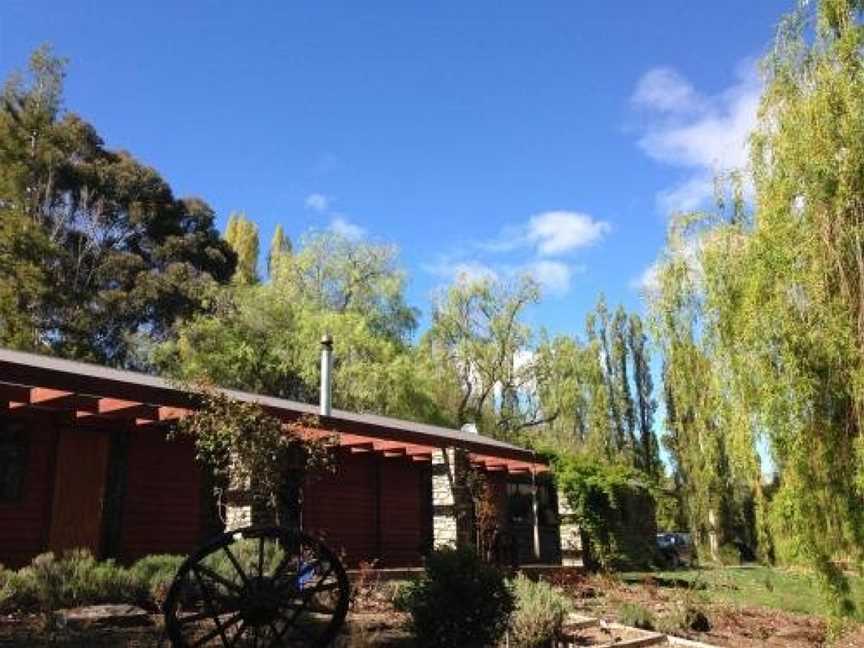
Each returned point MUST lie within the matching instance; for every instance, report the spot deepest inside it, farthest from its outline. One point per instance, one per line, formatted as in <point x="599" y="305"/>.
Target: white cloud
<point x="648" y="281"/>
<point x="553" y="276"/>
<point x="686" y="196"/>
<point x="557" y="232"/>
<point x="466" y="271"/>
<point x="346" y="228"/>
<point x="540" y="242"/>
<point x="664" y="89"/>
<point x="703" y="134"/>
<point x="551" y="233"/>
<point x="317" y="202"/>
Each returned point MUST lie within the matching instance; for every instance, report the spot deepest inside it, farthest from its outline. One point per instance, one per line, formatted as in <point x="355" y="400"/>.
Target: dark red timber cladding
<point x="341" y="508"/>
<point x="162" y="511"/>
<point x="24" y="523"/>
<point x="403" y="511"/>
<point x="498" y="491"/>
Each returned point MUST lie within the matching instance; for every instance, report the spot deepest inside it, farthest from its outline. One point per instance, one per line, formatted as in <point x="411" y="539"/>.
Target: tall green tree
<point x="242" y="235"/>
<point x="280" y="247"/>
<point x="478" y="333"/>
<point x="648" y="451"/>
<point x="772" y="354"/>
<point x="95" y="248"/>
<point x="570" y="383"/>
<point x="343" y="275"/>
<point x="266" y="337"/>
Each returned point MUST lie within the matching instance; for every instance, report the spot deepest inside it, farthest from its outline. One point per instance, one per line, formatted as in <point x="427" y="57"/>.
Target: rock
<point x="124" y="616"/>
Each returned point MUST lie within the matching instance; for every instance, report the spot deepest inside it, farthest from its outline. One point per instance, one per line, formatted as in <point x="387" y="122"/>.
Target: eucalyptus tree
<point x="94" y="247"/>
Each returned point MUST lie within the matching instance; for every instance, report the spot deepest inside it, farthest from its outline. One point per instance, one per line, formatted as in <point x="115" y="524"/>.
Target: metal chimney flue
<point x="326" y="374"/>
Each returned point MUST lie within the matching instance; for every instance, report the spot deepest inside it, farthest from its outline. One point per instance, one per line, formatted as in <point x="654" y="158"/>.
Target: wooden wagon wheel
<point x="258" y="587"/>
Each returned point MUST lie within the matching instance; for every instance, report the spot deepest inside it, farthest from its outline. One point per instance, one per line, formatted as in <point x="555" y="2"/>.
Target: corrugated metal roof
<point x="77" y="370"/>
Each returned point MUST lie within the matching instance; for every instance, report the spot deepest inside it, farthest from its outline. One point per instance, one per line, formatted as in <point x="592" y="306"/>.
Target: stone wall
<point x="444" y="528"/>
<point x="452" y="507"/>
<point x="571" y="534"/>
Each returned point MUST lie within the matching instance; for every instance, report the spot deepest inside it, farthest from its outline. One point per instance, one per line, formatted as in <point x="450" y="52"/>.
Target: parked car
<point x="676" y="549"/>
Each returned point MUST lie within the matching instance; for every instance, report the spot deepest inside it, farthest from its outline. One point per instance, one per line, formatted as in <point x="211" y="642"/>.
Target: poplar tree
<point x="280" y="247"/>
<point x="242" y="235"/>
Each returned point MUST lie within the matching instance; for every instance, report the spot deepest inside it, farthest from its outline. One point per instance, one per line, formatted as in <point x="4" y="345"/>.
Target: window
<point x="13" y="460"/>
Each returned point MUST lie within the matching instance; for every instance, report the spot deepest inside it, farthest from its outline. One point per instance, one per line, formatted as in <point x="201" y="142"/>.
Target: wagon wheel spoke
<point x="240" y="630"/>
<point x="261" y="555"/>
<point x="192" y="618"/>
<point x="277" y="636"/>
<point x="292" y="626"/>
<point x="283" y="564"/>
<point x="208" y="603"/>
<point x="212" y="575"/>
<point x="236" y="563"/>
<point x="218" y="631"/>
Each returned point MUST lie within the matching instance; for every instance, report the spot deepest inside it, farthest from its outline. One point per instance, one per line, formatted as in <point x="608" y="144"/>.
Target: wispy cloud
<point x="648" y="280"/>
<point x="346" y="228"/>
<point x="317" y="202"/>
<point x="551" y="233"/>
<point x="553" y="276"/>
<point x="468" y="270"/>
<point x="702" y="134"/>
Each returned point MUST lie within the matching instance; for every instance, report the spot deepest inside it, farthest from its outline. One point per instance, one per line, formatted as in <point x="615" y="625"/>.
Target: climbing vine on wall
<point x="246" y="448"/>
<point x="603" y="497"/>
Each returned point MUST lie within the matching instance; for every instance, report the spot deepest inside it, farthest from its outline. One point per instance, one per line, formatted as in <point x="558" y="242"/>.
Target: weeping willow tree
<point x="761" y="315"/>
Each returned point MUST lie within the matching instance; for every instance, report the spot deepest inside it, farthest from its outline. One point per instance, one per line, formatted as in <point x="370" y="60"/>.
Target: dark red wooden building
<point x="84" y="462"/>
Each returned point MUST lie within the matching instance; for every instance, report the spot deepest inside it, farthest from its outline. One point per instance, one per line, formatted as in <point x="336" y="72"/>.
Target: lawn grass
<point x="792" y="591"/>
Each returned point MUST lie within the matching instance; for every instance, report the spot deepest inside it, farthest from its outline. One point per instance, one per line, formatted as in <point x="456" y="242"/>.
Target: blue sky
<point x="548" y="137"/>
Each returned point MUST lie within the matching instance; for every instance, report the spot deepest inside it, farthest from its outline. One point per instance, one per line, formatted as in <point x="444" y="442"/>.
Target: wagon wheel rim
<point x="258" y="587"/>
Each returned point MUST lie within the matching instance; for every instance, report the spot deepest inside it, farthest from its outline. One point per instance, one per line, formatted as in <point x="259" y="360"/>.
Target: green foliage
<point x="638" y="616"/>
<point x="280" y="247"/>
<point x="682" y="616"/>
<point x="336" y="274"/>
<point x="540" y="613"/>
<point x="459" y="601"/>
<point x="615" y="508"/>
<point x="761" y="316"/>
<point x="94" y="247"/>
<point x="600" y="392"/>
<point x="242" y="235"/>
<point x="792" y="590"/>
<point x="477" y="333"/>
<point x="76" y="578"/>
<point x="250" y="451"/>
<point x="154" y="575"/>
<point x="262" y="339"/>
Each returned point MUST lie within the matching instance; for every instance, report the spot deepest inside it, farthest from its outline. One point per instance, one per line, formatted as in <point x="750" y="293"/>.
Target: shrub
<point x="633" y="614"/>
<point x="459" y="601"/>
<point x="154" y="575"/>
<point x="8" y="589"/>
<point x="540" y="612"/>
<point x="684" y="617"/>
<point x="76" y="578"/>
